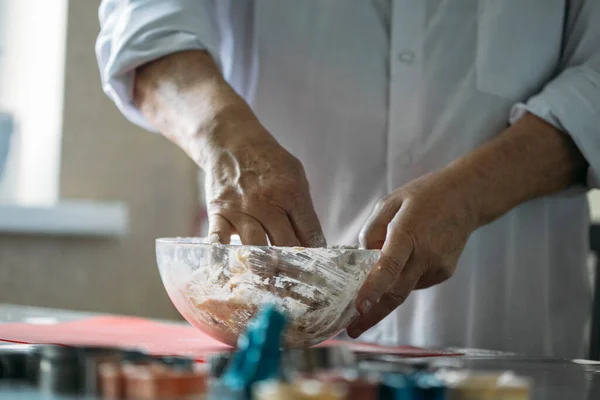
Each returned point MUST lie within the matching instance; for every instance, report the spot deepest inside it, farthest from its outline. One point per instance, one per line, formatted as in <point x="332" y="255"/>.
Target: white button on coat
<point x="406" y="56"/>
<point x="351" y="87"/>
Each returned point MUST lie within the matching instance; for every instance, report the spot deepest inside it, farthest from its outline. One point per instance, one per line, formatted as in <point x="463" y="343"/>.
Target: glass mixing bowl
<point x="219" y="288"/>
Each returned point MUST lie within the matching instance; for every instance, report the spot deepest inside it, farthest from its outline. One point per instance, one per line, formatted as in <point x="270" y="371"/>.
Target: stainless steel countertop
<point x="41" y="315"/>
<point x="554" y="379"/>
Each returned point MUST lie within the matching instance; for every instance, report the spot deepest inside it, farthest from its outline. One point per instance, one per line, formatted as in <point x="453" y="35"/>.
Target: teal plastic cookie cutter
<point x="258" y="356"/>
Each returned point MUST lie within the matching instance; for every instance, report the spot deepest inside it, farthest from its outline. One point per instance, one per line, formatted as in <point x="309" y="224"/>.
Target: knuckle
<point x="394" y="227"/>
<point x="386" y="201"/>
<point x="401" y="233"/>
<point x="216" y="229"/>
<point x="372" y="235"/>
<point x="389" y="266"/>
<point x="290" y="172"/>
<point x="217" y="212"/>
<point x="444" y="274"/>
<point x="381" y="204"/>
<point x="296" y="166"/>
<point x="229" y="209"/>
<point x="224" y="198"/>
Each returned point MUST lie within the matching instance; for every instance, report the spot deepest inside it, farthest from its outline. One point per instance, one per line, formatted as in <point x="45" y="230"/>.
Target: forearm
<point x="185" y="97"/>
<point x="528" y="160"/>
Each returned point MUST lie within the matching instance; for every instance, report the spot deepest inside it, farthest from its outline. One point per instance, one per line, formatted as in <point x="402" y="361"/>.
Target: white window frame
<point x="32" y="65"/>
<point x="33" y="39"/>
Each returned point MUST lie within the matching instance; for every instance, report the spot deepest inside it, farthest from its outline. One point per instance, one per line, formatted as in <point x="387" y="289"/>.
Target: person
<point x="459" y="137"/>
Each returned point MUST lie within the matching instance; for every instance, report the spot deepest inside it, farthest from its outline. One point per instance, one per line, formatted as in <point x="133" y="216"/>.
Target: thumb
<point x="388" y="284"/>
<point x="385" y="273"/>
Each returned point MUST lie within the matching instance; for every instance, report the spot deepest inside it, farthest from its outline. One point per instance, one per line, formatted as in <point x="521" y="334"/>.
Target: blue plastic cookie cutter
<point x="258" y="356"/>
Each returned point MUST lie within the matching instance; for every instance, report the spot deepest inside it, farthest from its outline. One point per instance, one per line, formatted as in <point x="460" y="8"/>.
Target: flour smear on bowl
<point x="221" y="288"/>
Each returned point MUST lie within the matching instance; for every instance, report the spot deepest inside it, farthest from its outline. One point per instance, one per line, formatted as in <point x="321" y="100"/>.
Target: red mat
<point x="153" y="337"/>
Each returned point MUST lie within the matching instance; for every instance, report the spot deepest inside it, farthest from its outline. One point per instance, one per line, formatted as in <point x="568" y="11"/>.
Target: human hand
<point x="253" y="185"/>
<point x="421" y="230"/>
<point x="256" y="188"/>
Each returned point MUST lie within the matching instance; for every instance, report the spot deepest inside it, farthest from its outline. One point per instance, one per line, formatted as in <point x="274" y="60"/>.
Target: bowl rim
<point x="199" y="241"/>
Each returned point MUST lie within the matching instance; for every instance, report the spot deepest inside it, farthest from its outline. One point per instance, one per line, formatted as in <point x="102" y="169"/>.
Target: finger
<point x="395" y="253"/>
<point x="279" y="228"/>
<point x="218" y="225"/>
<point x="250" y="230"/>
<point x="373" y="233"/>
<point x="388" y="302"/>
<point x="306" y="225"/>
<point x="281" y="232"/>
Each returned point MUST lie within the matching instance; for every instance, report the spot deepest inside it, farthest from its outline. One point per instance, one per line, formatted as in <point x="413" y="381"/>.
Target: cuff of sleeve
<point x="121" y="73"/>
<point x="146" y="35"/>
<point x="569" y="104"/>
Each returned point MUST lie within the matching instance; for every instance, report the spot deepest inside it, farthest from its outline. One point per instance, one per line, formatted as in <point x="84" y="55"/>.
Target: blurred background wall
<point x="104" y="157"/>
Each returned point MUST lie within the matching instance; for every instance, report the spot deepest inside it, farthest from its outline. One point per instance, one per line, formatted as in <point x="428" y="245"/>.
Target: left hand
<point x="421" y="230"/>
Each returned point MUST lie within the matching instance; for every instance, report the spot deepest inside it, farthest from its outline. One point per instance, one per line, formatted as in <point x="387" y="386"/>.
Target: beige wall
<point x="104" y="157"/>
<point x="594" y="197"/>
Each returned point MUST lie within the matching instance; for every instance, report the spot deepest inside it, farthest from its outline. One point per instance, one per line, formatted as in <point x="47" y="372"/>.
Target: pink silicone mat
<point x="155" y="337"/>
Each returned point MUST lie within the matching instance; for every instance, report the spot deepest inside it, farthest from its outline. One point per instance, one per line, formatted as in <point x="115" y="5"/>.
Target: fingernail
<point x="317" y="241"/>
<point x="353" y="332"/>
<point x="365" y="306"/>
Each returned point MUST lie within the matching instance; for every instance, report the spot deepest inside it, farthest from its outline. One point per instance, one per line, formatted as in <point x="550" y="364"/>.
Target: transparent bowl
<point x="219" y="288"/>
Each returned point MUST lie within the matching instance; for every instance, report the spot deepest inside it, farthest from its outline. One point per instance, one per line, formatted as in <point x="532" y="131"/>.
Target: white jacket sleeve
<point x="134" y="32"/>
<point x="571" y="102"/>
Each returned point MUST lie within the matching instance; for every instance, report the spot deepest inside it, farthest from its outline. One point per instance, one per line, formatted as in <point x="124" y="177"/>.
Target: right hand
<point x="257" y="189"/>
<point x="253" y="185"/>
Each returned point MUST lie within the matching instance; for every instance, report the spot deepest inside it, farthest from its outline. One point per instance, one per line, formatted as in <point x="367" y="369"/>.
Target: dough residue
<point x="315" y="288"/>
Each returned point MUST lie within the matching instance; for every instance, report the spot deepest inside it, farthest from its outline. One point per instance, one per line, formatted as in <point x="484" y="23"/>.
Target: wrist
<point x="231" y="128"/>
<point x="529" y="159"/>
<point x="185" y="97"/>
<point x="463" y="193"/>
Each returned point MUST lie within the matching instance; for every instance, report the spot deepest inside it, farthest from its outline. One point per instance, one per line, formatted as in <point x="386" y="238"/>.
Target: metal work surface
<point x="40" y="315"/>
<point x="553" y="379"/>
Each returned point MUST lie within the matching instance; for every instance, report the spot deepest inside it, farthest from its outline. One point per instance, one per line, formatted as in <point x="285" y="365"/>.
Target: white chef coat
<point x="371" y="94"/>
